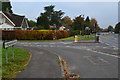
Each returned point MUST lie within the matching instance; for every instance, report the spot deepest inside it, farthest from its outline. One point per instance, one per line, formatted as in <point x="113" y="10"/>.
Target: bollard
<point x="76" y="38"/>
<point x="97" y="38"/>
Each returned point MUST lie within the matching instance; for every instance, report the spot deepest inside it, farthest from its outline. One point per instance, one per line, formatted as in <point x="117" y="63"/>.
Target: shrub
<point x="74" y="32"/>
<point x="34" y="34"/>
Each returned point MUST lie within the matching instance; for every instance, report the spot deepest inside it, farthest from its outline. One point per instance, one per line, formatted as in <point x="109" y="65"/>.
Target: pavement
<point x="43" y="64"/>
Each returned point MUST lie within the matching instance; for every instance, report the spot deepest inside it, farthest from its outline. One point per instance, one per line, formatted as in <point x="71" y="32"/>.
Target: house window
<point x="2" y="20"/>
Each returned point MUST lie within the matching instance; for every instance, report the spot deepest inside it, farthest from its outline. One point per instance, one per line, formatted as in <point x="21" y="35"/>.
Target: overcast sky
<point x="106" y="13"/>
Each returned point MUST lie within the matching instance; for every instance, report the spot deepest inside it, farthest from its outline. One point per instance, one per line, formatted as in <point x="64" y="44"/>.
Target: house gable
<point x="24" y="23"/>
<point x="5" y="19"/>
<point x="17" y="19"/>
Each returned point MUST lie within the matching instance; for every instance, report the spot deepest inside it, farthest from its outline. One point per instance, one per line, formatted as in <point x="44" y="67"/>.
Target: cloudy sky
<point x="106" y="13"/>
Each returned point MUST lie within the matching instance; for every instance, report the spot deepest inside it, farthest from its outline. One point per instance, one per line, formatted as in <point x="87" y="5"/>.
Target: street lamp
<point x="87" y="29"/>
<point x="54" y="32"/>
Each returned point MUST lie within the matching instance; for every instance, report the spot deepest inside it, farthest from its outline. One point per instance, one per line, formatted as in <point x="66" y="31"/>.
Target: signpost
<point x="6" y="45"/>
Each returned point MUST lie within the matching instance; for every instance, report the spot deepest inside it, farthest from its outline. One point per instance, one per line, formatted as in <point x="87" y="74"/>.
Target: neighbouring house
<point x="9" y="21"/>
<point x="62" y="28"/>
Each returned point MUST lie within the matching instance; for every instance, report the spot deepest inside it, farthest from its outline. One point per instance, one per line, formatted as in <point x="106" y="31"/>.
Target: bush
<point x="34" y="34"/>
<point x="74" y="32"/>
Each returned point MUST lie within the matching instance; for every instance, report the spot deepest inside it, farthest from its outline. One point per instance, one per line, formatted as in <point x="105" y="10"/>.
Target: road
<point x="110" y="40"/>
<point x="89" y="60"/>
<point x="43" y="64"/>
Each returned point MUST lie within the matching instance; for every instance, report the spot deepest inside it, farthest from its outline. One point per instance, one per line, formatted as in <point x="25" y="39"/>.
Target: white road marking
<point x="88" y="49"/>
<point x="67" y="46"/>
<point x="115" y="48"/>
<point x="106" y="54"/>
<point x="29" y="43"/>
<point x="45" y="45"/>
<point x="107" y="44"/>
<point x="97" y="46"/>
<point x="35" y="43"/>
<point x="22" y="43"/>
<point x="98" y="52"/>
<point x="104" y="47"/>
<point x="51" y="46"/>
<point x="25" y="45"/>
<point x="51" y="43"/>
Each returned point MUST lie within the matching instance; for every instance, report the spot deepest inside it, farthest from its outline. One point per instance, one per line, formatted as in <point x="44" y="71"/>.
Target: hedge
<point x="74" y="32"/>
<point x="34" y="34"/>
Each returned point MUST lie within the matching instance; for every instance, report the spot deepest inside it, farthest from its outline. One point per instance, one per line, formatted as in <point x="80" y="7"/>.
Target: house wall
<point x="5" y="20"/>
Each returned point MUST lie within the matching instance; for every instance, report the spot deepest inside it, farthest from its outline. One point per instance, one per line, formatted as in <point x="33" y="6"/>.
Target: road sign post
<point x="6" y="56"/>
<point x="13" y="53"/>
<point x="8" y="44"/>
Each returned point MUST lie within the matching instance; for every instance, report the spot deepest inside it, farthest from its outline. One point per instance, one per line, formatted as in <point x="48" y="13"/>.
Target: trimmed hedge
<point x="34" y="34"/>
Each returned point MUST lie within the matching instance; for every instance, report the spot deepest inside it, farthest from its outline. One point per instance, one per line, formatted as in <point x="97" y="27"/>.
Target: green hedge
<point x="34" y="34"/>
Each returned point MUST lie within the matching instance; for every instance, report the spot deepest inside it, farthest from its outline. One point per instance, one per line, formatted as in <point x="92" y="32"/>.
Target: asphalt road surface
<point x="43" y="64"/>
<point x="89" y="60"/>
<point x="110" y="40"/>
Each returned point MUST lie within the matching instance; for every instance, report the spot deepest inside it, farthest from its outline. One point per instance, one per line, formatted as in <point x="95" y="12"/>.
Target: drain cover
<point x="96" y="60"/>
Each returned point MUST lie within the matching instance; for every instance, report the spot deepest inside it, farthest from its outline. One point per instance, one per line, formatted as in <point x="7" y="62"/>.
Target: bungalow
<point x="9" y="21"/>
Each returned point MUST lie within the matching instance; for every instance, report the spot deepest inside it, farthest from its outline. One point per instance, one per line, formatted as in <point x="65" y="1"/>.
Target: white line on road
<point x="97" y="46"/>
<point x="51" y="43"/>
<point x="107" y="44"/>
<point x="106" y="54"/>
<point x="104" y="47"/>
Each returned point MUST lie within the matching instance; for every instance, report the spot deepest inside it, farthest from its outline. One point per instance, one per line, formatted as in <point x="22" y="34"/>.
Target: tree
<point x="117" y="28"/>
<point x="97" y="28"/>
<point x="78" y="23"/>
<point x="67" y="22"/>
<point x="6" y="6"/>
<point x="32" y="23"/>
<point x="110" y="28"/>
<point x="56" y="18"/>
<point x="94" y="25"/>
<point x="87" y="22"/>
<point x="43" y="21"/>
<point x="49" y="17"/>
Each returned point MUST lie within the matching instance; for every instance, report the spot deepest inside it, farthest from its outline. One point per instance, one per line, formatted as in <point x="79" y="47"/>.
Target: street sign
<point x="7" y="44"/>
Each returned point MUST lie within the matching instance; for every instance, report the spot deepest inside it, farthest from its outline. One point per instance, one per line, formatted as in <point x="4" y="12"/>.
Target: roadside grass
<point x="85" y="37"/>
<point x="89" y="37"/>
<point x="70" y="38"/>
<point x="19" y="64"/>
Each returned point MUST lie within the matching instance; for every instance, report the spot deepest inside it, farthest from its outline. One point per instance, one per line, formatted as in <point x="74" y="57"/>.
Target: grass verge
<point x="85" y="37"/>
<point x="71" y="38"/>
<point x="22" y="58"/>
<point x="88" y="37"/>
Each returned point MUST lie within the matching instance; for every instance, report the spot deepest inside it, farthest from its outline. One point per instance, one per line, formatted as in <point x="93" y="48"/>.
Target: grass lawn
<point x="21" y="59"/>
<point x="71" y="38"/>
<point x="88" y="37"/>
<point x="79" y="36"/>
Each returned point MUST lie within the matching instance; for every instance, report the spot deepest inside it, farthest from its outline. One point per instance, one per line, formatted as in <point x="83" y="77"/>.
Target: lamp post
<point x="87" y="29"/>
<point x="54" y="32"/>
